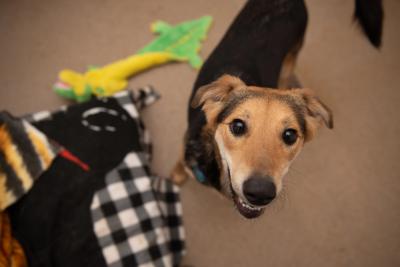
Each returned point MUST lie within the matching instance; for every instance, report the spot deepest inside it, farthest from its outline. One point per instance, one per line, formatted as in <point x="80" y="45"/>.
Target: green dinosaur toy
<point x="174" y="43"/>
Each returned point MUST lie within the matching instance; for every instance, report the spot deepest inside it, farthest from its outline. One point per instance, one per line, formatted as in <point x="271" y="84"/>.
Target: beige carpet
<point x="342" y="201"/>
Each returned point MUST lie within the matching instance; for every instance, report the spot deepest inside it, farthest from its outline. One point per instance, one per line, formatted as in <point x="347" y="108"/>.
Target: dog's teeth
<point x="247" y="206"/>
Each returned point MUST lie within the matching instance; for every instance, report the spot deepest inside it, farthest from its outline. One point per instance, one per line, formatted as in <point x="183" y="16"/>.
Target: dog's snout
<point x="259" y="190"/>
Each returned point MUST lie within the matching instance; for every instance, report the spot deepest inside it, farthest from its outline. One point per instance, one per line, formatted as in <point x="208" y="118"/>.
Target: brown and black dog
<point x="243" y="135"/>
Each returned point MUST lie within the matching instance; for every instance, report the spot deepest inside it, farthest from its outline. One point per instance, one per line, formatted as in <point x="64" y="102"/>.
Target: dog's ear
<point x="316" y="112"/>
<point x="216" y="91"/>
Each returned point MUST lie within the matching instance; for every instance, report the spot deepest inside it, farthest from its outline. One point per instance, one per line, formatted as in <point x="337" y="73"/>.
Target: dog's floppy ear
<point x="216" y="91"/>
<point x="317" y="113"/>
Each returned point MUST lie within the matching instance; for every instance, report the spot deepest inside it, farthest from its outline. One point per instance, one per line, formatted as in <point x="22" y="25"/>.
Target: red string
<point x="69" y="156"/>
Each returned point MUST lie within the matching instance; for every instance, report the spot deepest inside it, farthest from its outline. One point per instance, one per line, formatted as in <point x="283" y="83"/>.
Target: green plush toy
<point x="174" y="43"/>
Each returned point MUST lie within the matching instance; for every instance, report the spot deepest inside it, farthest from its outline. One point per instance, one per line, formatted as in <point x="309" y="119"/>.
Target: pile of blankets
<point x="76" y="189"/>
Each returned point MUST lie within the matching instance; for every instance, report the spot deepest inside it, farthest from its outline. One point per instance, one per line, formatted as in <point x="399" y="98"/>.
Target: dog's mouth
<point x="246" y="210"/>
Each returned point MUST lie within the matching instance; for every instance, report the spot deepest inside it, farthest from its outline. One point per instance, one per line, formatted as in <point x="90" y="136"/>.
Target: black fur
<point x="369" y="13"/>
<point x="253" y="49"/>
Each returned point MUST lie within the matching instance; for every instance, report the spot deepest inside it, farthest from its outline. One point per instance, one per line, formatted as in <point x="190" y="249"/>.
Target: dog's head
<point x="257" y="133"/>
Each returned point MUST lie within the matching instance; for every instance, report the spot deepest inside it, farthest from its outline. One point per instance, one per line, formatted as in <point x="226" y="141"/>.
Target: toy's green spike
<point x="182" y="40"/>
<point x="195" y="61"/>
<point x="160" y="27"/>
<point x="66" y="93"/>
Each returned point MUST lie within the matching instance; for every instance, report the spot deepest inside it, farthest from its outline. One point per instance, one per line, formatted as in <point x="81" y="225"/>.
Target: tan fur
<point x="218" y="90"/>
<point x="261" y="150"/>
<point x="287" y="70"/>
<point x="180" y="172"/>
<point x="320" y="114"/>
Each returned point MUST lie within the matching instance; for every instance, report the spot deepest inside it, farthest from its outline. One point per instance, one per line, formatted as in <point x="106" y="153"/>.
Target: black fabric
<point x="110" y="147"/>
<point x="53" y="221"/>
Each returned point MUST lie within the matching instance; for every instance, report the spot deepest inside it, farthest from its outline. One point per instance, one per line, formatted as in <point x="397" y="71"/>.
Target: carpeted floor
<point x="341" y="205"/>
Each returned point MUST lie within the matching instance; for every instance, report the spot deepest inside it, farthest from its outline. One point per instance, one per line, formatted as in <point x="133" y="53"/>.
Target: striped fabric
<point x="25" y="153"/>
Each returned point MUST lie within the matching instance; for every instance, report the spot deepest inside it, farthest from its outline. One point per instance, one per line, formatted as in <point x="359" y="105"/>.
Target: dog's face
<point x="257" y="133"/>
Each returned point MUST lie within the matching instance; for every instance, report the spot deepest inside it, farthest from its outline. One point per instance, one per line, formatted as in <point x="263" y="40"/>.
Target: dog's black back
<point x="369" y="13"/>
<point x="256" y="43"/>
<point x="254" y="49"/>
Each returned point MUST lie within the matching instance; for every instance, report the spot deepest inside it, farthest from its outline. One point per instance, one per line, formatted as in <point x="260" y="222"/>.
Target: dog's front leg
<point x="180" y="173"/>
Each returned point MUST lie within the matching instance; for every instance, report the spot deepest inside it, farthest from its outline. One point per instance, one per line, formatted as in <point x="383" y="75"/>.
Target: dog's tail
<point x="369" y="13"/>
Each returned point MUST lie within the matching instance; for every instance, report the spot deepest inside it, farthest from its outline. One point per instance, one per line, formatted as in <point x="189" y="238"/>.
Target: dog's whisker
<point x="295" y="171"/>
<point x="289" y="181"/>
<point x="281" y="201"/>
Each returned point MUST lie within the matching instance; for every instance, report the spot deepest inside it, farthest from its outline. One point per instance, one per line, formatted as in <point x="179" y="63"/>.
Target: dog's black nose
<point x="259" y="190"/>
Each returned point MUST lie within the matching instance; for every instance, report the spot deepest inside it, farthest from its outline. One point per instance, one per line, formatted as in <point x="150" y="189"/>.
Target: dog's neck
<point x="201" y="155"/>
<point x="198" y="174"/>
<point x="205" y="168"/>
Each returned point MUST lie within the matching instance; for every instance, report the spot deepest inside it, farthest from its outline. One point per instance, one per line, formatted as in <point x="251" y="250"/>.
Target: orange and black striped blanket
<point x="25" y="153"/>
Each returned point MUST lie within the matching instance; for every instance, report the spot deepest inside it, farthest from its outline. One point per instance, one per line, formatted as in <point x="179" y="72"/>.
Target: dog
<point x="242" y="134"/>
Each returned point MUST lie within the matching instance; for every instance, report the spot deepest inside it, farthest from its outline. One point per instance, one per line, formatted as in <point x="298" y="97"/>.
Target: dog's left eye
<point x="238" y="127"/>
<point x="289" y="136"/>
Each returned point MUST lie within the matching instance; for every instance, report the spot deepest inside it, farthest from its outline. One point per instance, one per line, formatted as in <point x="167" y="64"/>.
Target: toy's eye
<point x="238" y="127"/>
<point x="289" y="136"/>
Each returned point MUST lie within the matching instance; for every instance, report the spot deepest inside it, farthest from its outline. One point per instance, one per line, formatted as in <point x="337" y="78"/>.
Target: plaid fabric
<point x="137" y="217"/>
<point x="137" y="224"/>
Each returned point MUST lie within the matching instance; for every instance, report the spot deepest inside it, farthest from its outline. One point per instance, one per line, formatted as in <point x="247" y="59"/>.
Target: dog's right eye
<point x="289" y="136"/>
<point x="238" y="127"/>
